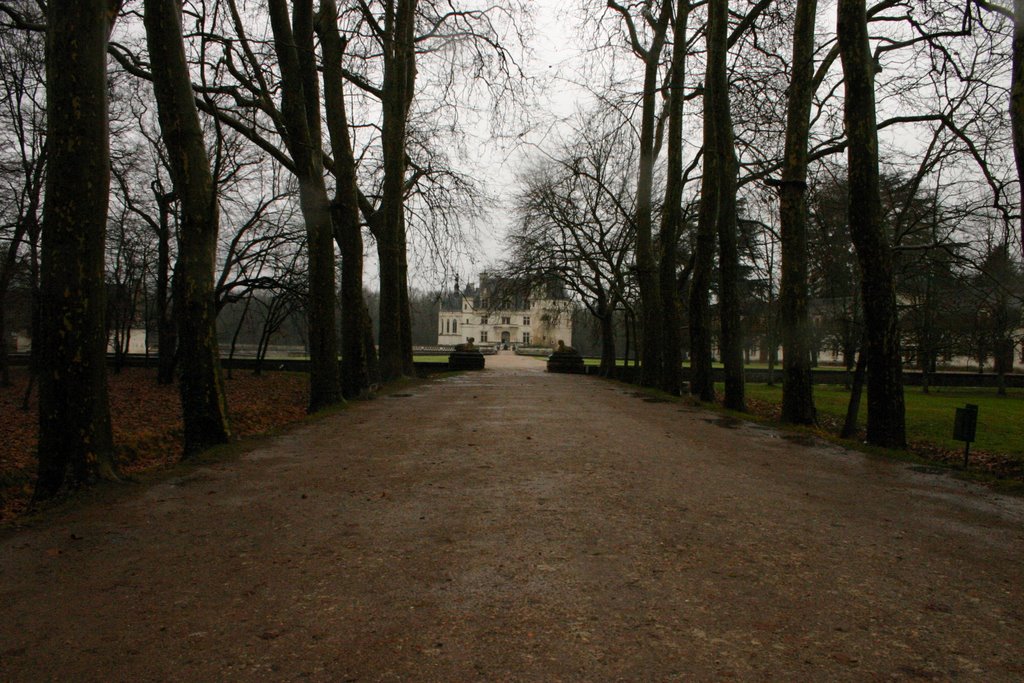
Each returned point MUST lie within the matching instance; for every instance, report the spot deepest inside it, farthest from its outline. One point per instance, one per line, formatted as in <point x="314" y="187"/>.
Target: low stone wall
<point x="567" y="362"/>
<point x="538" y="351"/>
<point x="466" y="360"/>
<point x="445" y="350"/>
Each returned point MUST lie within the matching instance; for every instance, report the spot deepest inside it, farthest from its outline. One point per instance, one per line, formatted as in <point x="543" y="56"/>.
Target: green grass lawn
<point x="930" y="416"/>
<point x="430" y="359"/>
<point x="756" y="366"/>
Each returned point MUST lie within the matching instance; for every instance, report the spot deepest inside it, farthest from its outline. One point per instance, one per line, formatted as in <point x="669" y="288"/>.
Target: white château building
<point x="492" y="315"/>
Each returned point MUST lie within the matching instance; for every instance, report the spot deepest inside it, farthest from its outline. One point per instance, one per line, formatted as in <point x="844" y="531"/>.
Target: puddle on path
<point x="925" y="469"/>
<point x="726" y="422"/>
<point x="800" y="439"/>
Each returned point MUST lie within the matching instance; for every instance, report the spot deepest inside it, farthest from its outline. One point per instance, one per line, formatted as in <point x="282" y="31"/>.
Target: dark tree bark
<point x="204" y="408"/>
<point x="628" y="335"/>
<point x="237" y="333"/>
<point x="797" y="386"/>
<point x="300" y="108"/>
<point x="355" y="364"/>
<point x="723" y="147"/>
<point x="608" y="360"/>
<point x="167" y="329"/>
<point x="671" y="331"/>
<point x="34" y="278"/>
<point x="397" y="92"/>
<point x="701" y="382"/>
<point x="886" y="422"/>
<point x="6" y="272"/>
<point x="849" y="429"/>
<point x="1017" y="98"/>
<point x="651" y="309"/>
<point x="75" y="440"/>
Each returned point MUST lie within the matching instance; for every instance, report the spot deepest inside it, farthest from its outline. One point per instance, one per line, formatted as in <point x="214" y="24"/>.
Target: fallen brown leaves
<point x="146" y="420"/>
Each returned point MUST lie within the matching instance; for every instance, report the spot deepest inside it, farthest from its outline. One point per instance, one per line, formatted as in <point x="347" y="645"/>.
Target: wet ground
<point x="515" y="525"/>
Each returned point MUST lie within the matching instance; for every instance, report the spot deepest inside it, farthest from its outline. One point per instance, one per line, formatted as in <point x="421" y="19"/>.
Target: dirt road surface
<point x="511" y="525"/>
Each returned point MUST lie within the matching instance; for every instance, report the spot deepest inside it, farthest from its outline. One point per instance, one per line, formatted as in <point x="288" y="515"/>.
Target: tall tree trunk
<point x="671" y="331"/>
<point x="1017" y="98"/>
<point x="75" y="439"/>
<point x="849" y="429"/>
<point x="885" y="424"/>
<point x="405" y="308"/>
<point x="606" y="318"/>
<point x="6" y="270"/>
<point x="372" y="359"/>
<point x="702" y="383"/>
<point x="203" y="405"/>
<point x="355" y="364"/>
<point x="399" y="79"/>
<point x="167" y="329"/>
<point x="5" y="368"/>
<point x="1003" y="360"/>
<point x="237" y="333"/>
<point x="651" y="309"/>
<point x="626" y="350"/>
<point x="797" y="384"/>
<point x="300" y="107"/>
<point x="34" y="277"/>
<point x="731" y="340"/>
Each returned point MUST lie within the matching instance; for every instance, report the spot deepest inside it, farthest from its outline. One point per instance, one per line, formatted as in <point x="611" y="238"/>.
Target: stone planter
<point x="466" y="360"/>
<point x="566" y="361"/>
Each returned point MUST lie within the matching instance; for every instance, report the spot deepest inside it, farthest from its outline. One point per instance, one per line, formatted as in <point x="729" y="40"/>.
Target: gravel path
<point x="515" y="525"/>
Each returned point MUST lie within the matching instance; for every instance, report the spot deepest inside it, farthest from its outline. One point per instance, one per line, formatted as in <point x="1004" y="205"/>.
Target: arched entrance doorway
<point x="505" y="339"/>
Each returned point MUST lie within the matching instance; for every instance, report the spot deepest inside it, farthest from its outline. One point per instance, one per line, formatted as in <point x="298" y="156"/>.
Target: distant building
<point x="492" y="313"/>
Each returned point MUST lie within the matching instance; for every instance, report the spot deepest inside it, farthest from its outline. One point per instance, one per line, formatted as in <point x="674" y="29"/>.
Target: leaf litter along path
<point x="515" y="525"/>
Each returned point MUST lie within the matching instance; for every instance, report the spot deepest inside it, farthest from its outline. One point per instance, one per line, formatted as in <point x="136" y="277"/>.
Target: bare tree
<point x="204" y="408"/>
<point x="356" y="376"/>
<point x="75" y="439"/>
<point x="300" y="109"/>
<point x="576" y="225"/>
<point x="22" y="163"/>
<point x="722" y="145"/>
<point x="797" y="386"/>
<point x="646" y="264"/>
<point x="886" y="422"/>
<point x="672" y="214"/>
<point x="1017" y="99"/>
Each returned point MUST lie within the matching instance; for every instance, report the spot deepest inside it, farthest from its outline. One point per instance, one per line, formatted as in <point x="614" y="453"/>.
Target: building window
<point x="526" y="320"/>
<point x="483" y="335"/>
<point x="526" y="337"/>
<point x="455" y="326"/>
<point x="506" y="320"/>
<point x="483" y="320"/>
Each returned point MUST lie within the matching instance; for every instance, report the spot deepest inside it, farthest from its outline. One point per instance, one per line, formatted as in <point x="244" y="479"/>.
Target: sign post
<point x="965" y="427"/>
